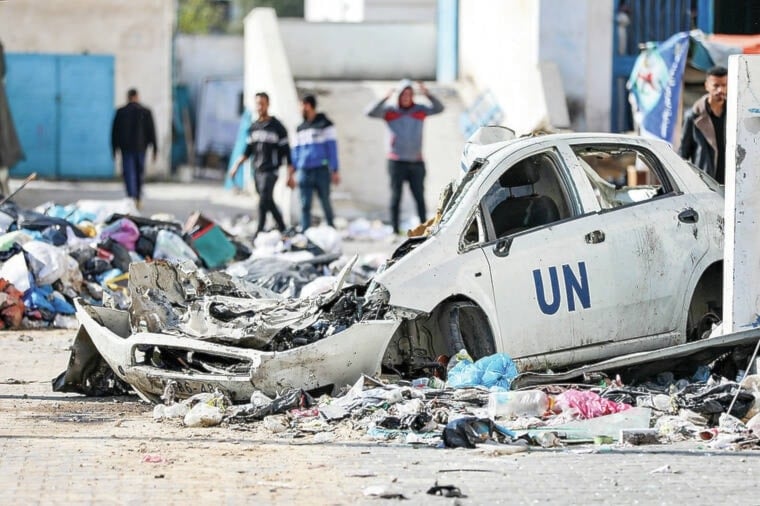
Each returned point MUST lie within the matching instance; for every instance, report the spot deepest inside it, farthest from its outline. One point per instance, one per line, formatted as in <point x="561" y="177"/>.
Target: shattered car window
<point x="621" y="175"/>
<point x="527" y="195"/>
<point x="460" y="191"/>
<point x="711" y="183"/>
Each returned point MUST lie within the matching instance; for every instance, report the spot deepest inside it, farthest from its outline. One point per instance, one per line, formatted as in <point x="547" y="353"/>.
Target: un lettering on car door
<point x="575" y="286"/>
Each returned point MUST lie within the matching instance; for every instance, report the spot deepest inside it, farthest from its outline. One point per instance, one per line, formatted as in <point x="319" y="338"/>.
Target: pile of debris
<point x="54" y="254"/>
<point x="720" y="413"/>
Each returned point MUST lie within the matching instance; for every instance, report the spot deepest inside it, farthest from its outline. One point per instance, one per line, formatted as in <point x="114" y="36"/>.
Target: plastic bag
<point x="325" y="237"/>
<point x="587" y="404"/>
<point x="170" y="246"/>
<point x="123" y="231"/>
<point x="48" y="263"/>
<point x="494" y="371"/>
<point x="16" y="272"/>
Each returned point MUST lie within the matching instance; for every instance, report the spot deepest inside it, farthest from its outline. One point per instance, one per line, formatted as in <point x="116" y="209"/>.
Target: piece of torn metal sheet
<point x="330" y="363"/>
<point x="648" y="362"/>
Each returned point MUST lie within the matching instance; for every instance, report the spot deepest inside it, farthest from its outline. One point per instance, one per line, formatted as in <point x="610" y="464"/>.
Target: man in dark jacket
<point x="131" y="133"/>
<point x="315" y="160"/>
<point x="703" y="139"/>
<point x="405" y="163"/>
<point x="268" y="145"/>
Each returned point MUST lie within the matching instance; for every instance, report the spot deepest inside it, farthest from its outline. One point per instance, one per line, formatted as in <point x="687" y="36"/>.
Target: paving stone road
<point x="67" y="449"/>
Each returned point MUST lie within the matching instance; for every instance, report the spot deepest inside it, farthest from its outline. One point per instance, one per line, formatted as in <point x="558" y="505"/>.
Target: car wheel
<point x="466" y="327"/>
<point x="701" y="327"/>
<point x="705" y="309"/>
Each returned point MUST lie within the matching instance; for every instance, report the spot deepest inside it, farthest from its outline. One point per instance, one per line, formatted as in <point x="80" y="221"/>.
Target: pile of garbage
<point x="476" y="409"/>
<point x="54" y="254"/>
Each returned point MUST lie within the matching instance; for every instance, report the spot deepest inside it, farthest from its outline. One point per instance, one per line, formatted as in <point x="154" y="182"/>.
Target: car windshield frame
<point x="461" y="190"/>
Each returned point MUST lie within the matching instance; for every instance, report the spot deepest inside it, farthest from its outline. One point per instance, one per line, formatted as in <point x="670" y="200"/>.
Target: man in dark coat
<point x="703" y="139"/>
<point x="132" y="132"/>
<point x="10" y="147"/>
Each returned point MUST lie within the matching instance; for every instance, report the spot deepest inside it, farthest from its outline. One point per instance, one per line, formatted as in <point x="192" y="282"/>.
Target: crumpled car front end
<point x="206" y="333"/>
<point x="148" y="361"/>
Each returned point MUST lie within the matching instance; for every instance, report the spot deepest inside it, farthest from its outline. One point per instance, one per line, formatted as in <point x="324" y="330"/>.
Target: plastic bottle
<point x="518" y="403"/>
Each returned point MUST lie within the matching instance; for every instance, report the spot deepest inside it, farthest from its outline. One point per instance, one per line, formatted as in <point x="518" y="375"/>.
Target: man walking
<point x="268" y="146"/>
<point x="131" y="133"/>
<point x="315" y="161"/>
<point x="405" y="163"/>
<point x="703" y="139"/>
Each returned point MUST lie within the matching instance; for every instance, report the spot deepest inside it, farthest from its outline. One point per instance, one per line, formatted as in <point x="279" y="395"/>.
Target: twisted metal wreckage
<point x="204" y="332"/>
<point x="464" y="282"/>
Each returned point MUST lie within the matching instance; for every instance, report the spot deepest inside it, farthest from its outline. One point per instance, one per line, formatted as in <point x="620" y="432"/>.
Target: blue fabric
<point x="36" y="298"/>
<point x="308" y="181"/>
<point x="133" y="167"/>
<point x="495" y="371"/>
<point x="237" y="150"/>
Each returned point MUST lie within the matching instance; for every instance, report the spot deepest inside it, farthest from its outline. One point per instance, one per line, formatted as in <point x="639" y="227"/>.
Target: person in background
<point x="315" y="161"/>
<point x="703" y="137"/>
<point x="404" y="120"/>
<point x="268" y="147"/>
<point x="131" y="133"/>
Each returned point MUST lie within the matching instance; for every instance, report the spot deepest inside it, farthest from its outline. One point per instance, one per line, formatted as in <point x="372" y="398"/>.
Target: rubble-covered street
<point x="418" y="437"/>
<point x="65" y="448"/>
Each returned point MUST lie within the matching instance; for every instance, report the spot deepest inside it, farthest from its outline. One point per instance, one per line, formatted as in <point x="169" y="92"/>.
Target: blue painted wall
<point x="63" y="108"/>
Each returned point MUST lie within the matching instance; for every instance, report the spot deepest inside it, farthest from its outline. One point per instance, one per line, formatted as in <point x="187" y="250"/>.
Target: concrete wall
<point x="138" y="33"/>
<point x="549" y="62"/>
<point x="370" y="10"/>
<point x="359" y="50"/>
<point x="577" y="37"/>
<point x="498" y="50"/>
<point x="362" y="145"/>
<point x="198" y="57"/>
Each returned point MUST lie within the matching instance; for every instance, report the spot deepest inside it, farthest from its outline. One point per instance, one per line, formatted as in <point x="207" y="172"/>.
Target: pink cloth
<point x="588" y="404"/>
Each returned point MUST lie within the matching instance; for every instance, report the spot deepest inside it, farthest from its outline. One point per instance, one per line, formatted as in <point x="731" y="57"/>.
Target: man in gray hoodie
<point x="405" y="163"/>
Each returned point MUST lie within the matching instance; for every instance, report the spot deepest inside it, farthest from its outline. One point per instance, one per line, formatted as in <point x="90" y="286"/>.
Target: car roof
<point x="473" y="149"/>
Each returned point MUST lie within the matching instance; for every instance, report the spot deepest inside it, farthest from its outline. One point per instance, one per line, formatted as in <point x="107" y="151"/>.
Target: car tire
<point x="705" y="308"/>
<point x="466" y="327"/>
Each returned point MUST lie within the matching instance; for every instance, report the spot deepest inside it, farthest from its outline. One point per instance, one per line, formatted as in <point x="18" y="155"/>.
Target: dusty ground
<point x="59" y="448"/>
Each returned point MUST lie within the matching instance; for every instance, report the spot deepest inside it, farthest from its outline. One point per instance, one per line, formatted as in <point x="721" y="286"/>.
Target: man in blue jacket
<point x="405" y="162"/>
<point x="315" y="161"/>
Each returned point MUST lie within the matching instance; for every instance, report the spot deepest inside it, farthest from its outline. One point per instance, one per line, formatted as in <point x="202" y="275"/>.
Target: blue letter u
<point x="547" y="308"/>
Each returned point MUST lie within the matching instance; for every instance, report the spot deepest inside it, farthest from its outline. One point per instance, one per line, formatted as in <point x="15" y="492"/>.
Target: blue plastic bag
<point x="494" y="371"/>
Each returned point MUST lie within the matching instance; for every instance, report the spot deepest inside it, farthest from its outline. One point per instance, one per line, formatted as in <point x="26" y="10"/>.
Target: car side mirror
<point x="501" y="249"/>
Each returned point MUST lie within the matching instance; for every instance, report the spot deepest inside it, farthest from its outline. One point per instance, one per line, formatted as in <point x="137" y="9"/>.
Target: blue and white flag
<point x="655" y="84"/>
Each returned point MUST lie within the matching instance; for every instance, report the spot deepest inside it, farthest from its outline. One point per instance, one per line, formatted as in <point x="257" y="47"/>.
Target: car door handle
<point x="595" y="237"/>
<point x="688" y="216"/>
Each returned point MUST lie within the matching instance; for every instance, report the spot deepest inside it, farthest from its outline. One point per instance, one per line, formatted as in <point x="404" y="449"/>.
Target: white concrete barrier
<point x="741" y="265"/>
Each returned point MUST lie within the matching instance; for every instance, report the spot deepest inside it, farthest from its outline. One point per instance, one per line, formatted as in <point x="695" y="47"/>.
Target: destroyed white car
<point x="561" y="249"/>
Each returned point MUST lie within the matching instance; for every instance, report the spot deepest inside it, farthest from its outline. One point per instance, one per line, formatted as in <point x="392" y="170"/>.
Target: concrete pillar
<point x="741" y="278"/>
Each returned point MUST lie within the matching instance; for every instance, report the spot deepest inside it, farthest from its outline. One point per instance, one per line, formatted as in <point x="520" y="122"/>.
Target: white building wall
<point x="498" y="51"/>
<point x="138" y="33"/>
<point x="199" y="57"/>
<point x="576" y="35"/>
<point x="359" y="50"/>
<point x="542" y="59"/>
<point x="370" y="10"/>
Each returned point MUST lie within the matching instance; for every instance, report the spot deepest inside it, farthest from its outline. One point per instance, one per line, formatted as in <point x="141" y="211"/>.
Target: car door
<point x="653" y="233"/>
<point x="549" y="269"/>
